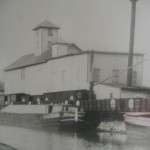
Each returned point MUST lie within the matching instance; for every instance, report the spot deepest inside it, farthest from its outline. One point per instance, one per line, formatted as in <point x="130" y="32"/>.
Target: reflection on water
<point x="29" y="139"/>
<point x="113" y="138"/>
<point x="139" y="137"/>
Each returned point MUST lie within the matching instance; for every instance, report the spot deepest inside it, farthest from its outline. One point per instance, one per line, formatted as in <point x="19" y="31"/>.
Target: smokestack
<point x="131" y="46"/>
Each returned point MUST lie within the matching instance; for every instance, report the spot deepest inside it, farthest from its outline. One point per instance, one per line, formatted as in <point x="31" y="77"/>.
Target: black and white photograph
<point x="74" y="74"/>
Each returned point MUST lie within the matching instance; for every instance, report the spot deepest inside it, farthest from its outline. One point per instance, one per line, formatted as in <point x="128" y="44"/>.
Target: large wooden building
<point x="61" y="68"/>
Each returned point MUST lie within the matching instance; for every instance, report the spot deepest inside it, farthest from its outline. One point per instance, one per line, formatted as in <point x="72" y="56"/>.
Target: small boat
<point x="49" y="116"/>
<point x="138" y="118"/>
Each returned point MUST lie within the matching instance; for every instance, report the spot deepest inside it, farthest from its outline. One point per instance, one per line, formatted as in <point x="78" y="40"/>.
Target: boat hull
<point x="138" y="119"/>
<point x="27" y="120"/>
<point x="43" y="121"/>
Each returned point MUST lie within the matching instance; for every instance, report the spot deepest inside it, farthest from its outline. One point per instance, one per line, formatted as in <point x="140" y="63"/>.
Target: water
<point x="29" y="139"/>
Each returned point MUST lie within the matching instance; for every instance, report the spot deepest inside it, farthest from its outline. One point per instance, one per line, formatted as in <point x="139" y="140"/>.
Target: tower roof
<point x="46" y="24"/>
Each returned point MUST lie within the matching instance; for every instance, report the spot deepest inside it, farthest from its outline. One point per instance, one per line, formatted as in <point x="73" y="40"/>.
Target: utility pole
<point x="131" y="46"/>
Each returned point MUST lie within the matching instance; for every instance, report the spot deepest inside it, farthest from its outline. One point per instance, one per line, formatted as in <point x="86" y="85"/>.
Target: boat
<point x="49" y="116"/>
<point x="138" y="118"/>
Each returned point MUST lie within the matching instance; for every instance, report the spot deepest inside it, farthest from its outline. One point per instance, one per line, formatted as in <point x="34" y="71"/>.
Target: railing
<point x="122" y="105"/>
<point x="139" y="105"/>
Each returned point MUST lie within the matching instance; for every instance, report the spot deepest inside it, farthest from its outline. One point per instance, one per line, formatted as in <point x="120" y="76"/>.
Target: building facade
<point x="58" y="66"/>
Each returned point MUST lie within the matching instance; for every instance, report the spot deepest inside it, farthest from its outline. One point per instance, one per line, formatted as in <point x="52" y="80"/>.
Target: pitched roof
<point x="26" y="60"/>
<point x="63" y="42"/>
<point x="31" y="59"/>
<point x="46" y="24"/>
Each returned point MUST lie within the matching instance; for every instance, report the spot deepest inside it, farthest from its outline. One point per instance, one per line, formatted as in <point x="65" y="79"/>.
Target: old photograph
<point x="74" y="75"/>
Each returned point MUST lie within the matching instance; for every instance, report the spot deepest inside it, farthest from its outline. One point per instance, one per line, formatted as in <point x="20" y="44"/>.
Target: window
<point x="96" y="75"/>
<point x="22" y="73"/>
<point x="13" y="99"/>
<point x="53" y="79"/>
<point x="115" y="78"/>
<point x="63" y="76"/>
<point x="49" y="45"/>
<point x="50" y="32"/>
<point x="78" y="77"/>
<point x="134" y="77"/>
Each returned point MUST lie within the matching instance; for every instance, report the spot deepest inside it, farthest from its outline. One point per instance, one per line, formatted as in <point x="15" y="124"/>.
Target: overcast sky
<point x="102" y="25"/>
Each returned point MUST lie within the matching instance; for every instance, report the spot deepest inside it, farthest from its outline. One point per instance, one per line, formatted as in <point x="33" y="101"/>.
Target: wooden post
<point x="146" y="105"/>
<point x="76" y="114"/>
<point x="134" y="106"/>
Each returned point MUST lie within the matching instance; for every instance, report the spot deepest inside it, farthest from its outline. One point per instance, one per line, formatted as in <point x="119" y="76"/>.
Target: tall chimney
<point x="131" y="46"/>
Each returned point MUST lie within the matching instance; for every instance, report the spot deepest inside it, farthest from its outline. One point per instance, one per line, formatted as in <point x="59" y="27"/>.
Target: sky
<point x="102" y="25"/>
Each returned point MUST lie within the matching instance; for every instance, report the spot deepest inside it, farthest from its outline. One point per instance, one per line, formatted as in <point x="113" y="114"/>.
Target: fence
<point x="123" y="105"/>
